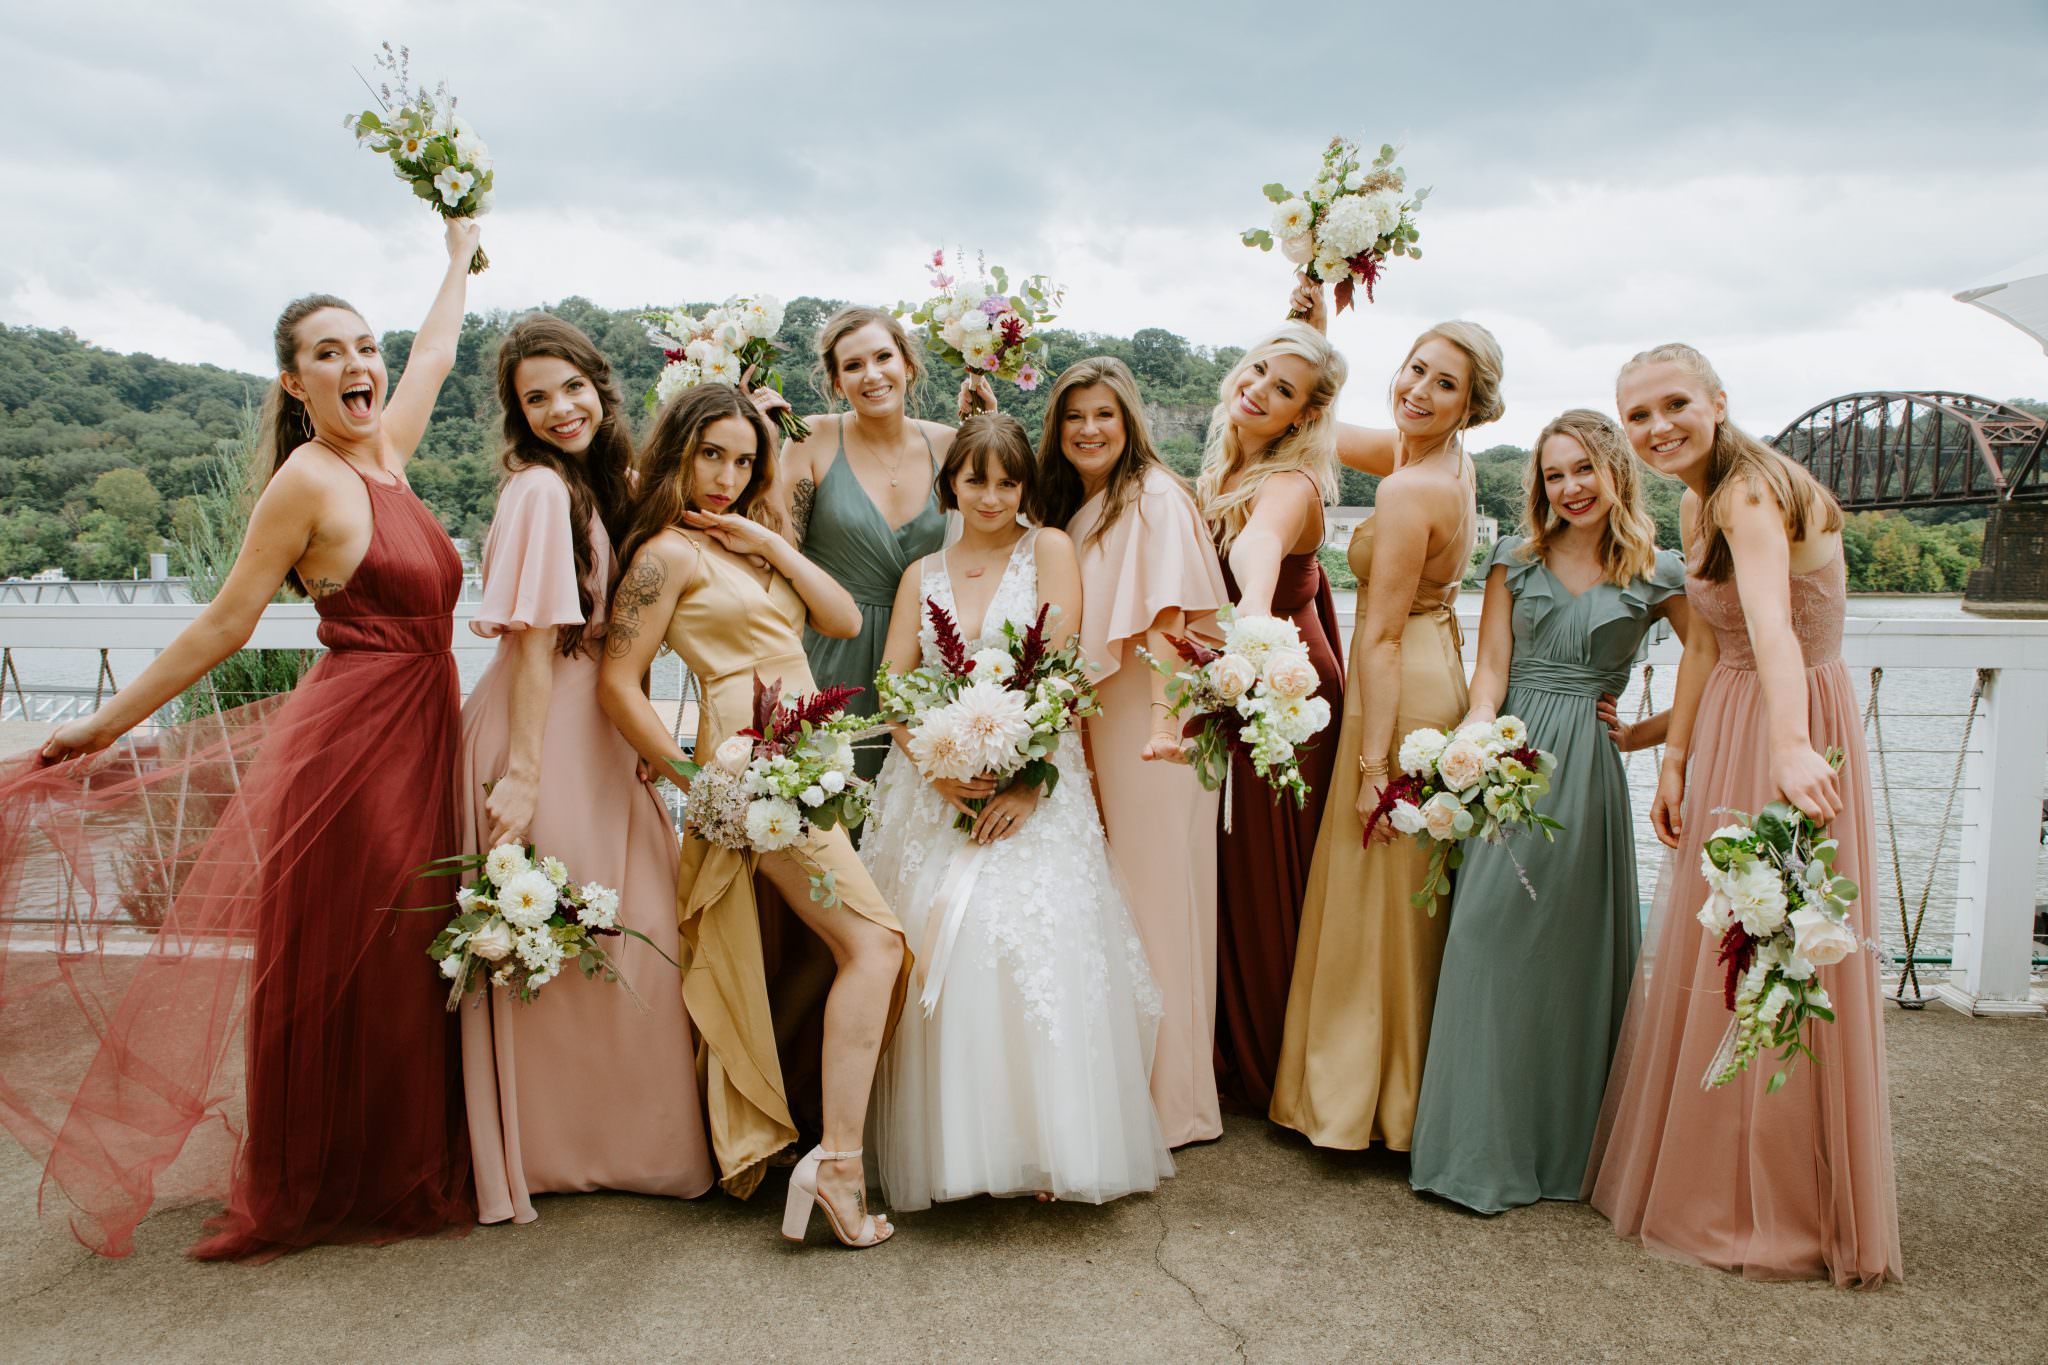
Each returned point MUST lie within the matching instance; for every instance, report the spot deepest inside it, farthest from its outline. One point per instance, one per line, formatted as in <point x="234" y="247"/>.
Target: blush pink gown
<point x="581" y="1088"/>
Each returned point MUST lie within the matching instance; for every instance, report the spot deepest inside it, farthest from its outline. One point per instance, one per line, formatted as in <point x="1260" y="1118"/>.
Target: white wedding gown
<point x="1033" y="1072"/>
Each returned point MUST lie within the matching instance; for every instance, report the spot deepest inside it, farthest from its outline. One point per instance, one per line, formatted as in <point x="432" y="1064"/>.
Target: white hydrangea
<point x="1352" y="225"/>
<point x="600" y="908"/>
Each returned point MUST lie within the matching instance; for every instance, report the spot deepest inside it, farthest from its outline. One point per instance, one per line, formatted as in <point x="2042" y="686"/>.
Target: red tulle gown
<point x="205" y="990"/>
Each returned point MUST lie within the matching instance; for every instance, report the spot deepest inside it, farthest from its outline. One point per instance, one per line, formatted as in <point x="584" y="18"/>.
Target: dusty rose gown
<point x="1161" y="824"/>
<point x="1796" y="1185"/>
<point x="582" y="1088"/>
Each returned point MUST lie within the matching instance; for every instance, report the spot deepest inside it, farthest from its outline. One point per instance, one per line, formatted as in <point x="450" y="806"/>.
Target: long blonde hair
<point x="1628" y="542"/>
<point x="1739" y="460"/>
<point x="1232" y="476"/>
<point x="1060" y="494"/>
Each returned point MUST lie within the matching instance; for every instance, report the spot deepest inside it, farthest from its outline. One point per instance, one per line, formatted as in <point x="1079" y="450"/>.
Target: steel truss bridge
<point x="1889" y="449"/>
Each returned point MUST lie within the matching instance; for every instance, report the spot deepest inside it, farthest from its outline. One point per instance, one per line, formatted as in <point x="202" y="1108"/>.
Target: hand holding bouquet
<point x="979" y="326"/>
<point x="1781" y="914"/>
<point x="1345" y="226"/>
<point x="1484" y="779"/>
<point x="768" y="786"/>
<point x="520" y="922"/>
<point x="431" y="148"/>
<point x="1257" y="694"/>
<point x="998" y="712"/>
<point x="721" y="347"/>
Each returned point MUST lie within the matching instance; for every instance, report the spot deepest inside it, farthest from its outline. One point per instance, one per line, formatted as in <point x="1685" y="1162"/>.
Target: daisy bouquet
<point x="1255" y="694"/>
<point x="998" y="711"/>
<point x="520" y="922"/>
<point x="1781" y="914"/>
<point x="1343" y="227"/>
<point x="1482" y="779"/>
<point x="431" y="147"/>
<point x="768" y="786"/>
<point x="979" y="326"/>
<point x="719" y="348"/>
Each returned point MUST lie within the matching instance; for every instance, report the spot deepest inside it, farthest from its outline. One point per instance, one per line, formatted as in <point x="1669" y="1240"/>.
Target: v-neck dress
<point x="1532" y="992"/>
<point x="850" y="539"/>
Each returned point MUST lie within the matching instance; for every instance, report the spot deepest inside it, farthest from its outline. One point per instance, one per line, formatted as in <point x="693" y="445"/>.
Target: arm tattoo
<point x="322" y="587"/>
<point x="800" y="499"/>
<point x="640" y="588"/>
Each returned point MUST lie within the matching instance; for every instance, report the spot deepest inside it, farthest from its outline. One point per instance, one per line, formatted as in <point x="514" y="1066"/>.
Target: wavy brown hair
<point x="668" y="468"/>
<point x="844" y="324"/>
<point x="285" y="424"/>
<point x="1740" y="461"/>
<point x="598" y="479"/>
<point x="1060" y="494"/>
<point x="1628" y="542"/>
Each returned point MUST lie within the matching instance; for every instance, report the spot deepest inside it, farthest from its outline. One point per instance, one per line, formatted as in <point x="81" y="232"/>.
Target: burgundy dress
<point x="199" y="926"/>
<point x="1262" y="862"/>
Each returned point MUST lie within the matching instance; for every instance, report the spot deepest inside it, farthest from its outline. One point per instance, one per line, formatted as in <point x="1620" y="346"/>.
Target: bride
<point x="1030" y="1074"/>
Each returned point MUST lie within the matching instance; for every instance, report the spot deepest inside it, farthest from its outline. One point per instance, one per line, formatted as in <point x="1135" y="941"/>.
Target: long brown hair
<point x="1060" y="493"/>
<point x="597" y="481"/>
<point x="668" y="468"/>
<point x="1740" y="461"/>
<point x="843" y="324"/>
<point x="285" y="424"/>
<point x="984" y="439"/>
<point x="1628" y="542"/>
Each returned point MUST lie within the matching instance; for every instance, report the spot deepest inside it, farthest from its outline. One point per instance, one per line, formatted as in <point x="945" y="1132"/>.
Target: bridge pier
<point x="2012" y="579"/>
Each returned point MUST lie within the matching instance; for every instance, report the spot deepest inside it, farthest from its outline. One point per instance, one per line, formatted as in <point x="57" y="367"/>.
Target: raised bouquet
<point x="521" y="922"/>
<point x="979" y="326"/>
<point x="768" y="786"/>
<point x="431" y="147"/>
<point x="1345" y="226"/>
<point x="1255" y="694"/>
<point x="719" y="348"/>
<point x="999" y="711"/>
<point x="1781" y="914"/>
<point x="1483" y="779"/>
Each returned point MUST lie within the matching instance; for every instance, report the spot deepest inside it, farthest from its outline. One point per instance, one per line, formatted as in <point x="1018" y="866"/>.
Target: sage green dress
<point x="1530" y="1000"/>
<point x="848" y="538"/>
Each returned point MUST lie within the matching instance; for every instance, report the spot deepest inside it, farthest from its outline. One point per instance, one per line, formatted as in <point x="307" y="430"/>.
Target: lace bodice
<point x="1015" y="599"/>
<point x="1820" y="601"/>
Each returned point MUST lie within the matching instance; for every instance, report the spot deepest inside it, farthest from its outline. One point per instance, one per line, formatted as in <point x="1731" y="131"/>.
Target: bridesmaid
<point x="1147" y="571"/>
<point x="1268" y="470"/>
<point x="709" y="575"/>
<point x="1365" y="972"/>
<point x="352" y="1129"/>
<point x="1530" y="999"/>
<point x="862" y="491"/>
<point x="1799" y="1184"/>
<point x="546" y="1080"/>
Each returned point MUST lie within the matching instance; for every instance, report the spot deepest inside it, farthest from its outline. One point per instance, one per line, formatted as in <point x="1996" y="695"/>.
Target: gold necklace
<point x="891" y="470"/>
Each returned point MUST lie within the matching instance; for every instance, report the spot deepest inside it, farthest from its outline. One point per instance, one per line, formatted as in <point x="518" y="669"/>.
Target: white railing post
<point x="1994" y="934"/>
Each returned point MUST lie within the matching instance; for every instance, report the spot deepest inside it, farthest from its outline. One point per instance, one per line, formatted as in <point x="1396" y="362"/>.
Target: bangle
<point x="1366" y="769"/>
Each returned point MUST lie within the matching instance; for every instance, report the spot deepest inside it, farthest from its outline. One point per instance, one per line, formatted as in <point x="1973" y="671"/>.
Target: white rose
<point x="1291" y="674"/>
<point x="1440" y="816"/>
<point x="973" y="321"/>
<point x="1461" y="765"/>
<point x="451" y="966"/>
<point x="1717" y="914"/>
<point x="813" y="796"/>
<point x="1421" y="749"/>
<point x="1820" y="938"/>
<point x="993" y="663"/>
<point x="1407" y="817"/>
<point x="833" y="781"/>
<point x="733" y="754"/>
<point x="1232" y="675"/>
<point x="493" y="942"/>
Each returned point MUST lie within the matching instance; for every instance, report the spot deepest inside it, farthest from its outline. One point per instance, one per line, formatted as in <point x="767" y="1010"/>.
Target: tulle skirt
<point x="206" y="987"/>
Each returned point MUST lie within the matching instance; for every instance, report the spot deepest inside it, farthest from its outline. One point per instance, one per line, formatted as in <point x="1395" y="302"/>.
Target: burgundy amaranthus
<point x="952" y="649"/>
<point x="1030" y="651"/>
<point x="1738" y="950"/>
<point x="1406" y="787"/>
<point x="774" y="723"/>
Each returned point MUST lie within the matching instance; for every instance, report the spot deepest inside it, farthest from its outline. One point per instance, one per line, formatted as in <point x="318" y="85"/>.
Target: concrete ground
<point x="1262" y="1250"/>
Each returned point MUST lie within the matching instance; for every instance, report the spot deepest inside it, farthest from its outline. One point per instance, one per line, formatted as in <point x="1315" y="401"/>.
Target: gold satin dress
<point x="730" y="625"/>
<point x="1365" y="970"/>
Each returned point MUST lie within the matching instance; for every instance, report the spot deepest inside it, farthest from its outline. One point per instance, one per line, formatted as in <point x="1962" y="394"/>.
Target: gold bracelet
<point x="1371" y="769"/>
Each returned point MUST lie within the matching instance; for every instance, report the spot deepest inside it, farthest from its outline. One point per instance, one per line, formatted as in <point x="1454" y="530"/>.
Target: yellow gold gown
<point x="1365" y="970"/>
<point x="730" y="625"/>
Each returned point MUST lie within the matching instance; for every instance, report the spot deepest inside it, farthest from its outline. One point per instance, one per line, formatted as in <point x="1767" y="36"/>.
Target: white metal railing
<point x="1998" y="831"/>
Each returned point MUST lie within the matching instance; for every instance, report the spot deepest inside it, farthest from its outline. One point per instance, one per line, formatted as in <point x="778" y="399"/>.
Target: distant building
<point x="1340" y="522"/>
<point x="49" y="576"/>
<point x="1486" y="530"/>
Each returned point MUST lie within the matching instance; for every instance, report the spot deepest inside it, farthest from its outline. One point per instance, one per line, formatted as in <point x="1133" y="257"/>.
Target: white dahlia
<point x="527" y="900"/>
<point x="773" y="823"/>
<point x="505" y="862"/>
<point x="992" y="723"/>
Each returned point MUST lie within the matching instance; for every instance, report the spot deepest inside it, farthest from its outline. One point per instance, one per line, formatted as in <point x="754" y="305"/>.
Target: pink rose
<point x="1291" y="675"/>
<point x="1461" y="765"/>
<point x="1232" y="676"/>
<point x="1820" y="938"/>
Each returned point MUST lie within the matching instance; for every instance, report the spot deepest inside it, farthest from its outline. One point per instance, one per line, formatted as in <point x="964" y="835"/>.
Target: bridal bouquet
<point x="999" y="711"/>
<point x="1345" y="226"/>
<point x="520" y="922"/>
<point x="1483" y="779"/>
<point x="1256" y="694"/>
<point x="431" y="148"/>
<point x="979" y="326"/>
<point x="768" y="786"/>
<point x="1781" y="914"/>
<point x="719" y="348"/>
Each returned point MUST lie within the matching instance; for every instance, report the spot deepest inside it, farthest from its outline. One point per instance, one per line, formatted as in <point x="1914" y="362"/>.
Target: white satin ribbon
<point x="943" y="919"/>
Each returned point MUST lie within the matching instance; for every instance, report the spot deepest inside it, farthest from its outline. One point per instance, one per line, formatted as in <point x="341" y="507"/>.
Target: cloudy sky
<point x="1796" y="188"/>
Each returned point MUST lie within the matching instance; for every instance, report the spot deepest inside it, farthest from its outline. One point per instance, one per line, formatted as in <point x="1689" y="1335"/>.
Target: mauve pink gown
<point x="1796" y="1185"/>
<point x="581" y="1088"/>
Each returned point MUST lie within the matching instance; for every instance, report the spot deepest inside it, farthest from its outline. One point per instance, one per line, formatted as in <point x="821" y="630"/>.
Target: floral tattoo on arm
<point x="640" y="588"/>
